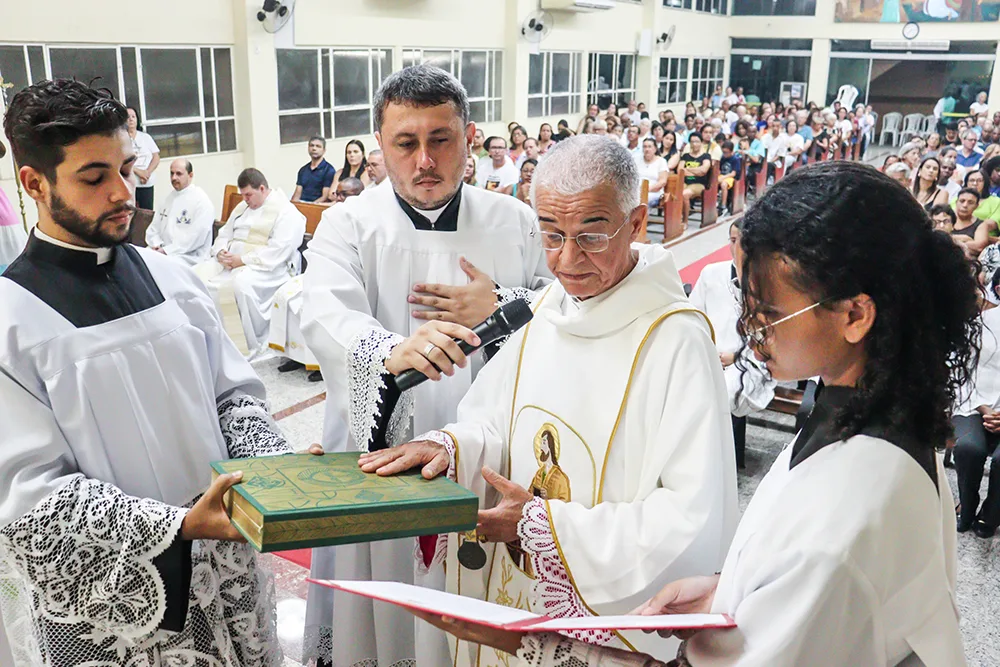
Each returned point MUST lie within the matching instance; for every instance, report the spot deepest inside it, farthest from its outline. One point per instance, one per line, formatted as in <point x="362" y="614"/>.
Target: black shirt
<point x="314" y="180"/>
<point x="690" y="162"/>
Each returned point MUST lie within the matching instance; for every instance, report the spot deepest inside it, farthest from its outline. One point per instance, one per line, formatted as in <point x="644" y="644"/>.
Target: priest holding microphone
<point x="395" y="276"/>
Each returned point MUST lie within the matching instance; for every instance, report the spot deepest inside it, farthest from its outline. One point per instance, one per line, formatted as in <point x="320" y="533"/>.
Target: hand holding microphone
<point x="437" y="347"/>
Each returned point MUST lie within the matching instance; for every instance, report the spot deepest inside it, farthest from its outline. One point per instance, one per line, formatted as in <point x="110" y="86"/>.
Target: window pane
<point x="298" y="127"/>
<point x="667" y="67"/>
<point x="223" y="81"/>
<point x="36" y="59"/>
<point x="661" y="94"/>
<point x="298" y="79"/>
<point x="325" y="82"/>
<point x="536" y="107"/>
<point x="559" y="105"/>
<point x="497" y="80"/>
<point x="560" y="73"/>
<point x="474" y="73"/>
<point x="99" y="67"/>
<point x="477" y="111"/>
<point x="170" y="83"/>
<point x="625" y="71"/>
<point x="328" y="124"/>
<point x="177" y="139"/>
<point x="605" y="71"/>
<point x="536" y="74"/>
<point x="130" y="74"/>
<point x="353" y="123"/>
<point x="13" y="69"/>
<point x="411" y="58"/>
<point x="441" y="59"/>
<point x="211" y="136"/>
<point x="208" y="99"/>
<point x="350" y="79"/>
<point x="385" y="56"/>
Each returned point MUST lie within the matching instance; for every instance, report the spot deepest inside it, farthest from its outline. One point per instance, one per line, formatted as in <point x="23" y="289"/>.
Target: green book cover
<point x="297" y="501"/>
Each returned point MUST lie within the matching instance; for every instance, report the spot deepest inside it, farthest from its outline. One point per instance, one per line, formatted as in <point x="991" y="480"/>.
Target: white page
<point x="667" y="622"/>
<point x="435" y="602"/>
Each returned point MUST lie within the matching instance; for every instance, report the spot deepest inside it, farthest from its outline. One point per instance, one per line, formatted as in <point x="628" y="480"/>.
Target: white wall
<point x="490" y="24"/>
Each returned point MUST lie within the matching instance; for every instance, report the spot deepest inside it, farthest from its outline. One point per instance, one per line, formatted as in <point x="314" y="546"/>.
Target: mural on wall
<point x="919" y="11"/>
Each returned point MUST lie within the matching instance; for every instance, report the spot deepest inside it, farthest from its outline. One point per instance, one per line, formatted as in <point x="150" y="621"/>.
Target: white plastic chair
<point x="930" y="124"/>
<point x="913" y="124"/>
<point x="846" y="95"/>
<point x="890" y="126"/>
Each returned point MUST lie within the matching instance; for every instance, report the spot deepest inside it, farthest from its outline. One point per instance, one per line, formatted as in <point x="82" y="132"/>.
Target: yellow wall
<point x="490" y="24"/>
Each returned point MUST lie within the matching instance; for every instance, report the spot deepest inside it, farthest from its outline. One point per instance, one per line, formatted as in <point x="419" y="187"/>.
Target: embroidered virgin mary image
<point x="550" y="482"/>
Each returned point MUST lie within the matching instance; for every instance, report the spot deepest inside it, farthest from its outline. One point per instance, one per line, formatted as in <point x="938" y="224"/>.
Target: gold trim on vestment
<point x="628" y="386"/>
<point x="275" y="346"/>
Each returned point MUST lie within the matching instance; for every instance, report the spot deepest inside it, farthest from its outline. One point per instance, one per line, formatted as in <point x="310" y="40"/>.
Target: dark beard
<point x="89" y="231"/>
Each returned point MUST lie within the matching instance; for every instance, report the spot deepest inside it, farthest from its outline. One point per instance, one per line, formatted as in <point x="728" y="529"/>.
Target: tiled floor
<point x="979" y="560"/>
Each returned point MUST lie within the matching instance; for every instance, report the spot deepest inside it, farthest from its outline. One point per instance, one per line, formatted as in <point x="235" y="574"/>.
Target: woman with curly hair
<point x="846" y="553"/>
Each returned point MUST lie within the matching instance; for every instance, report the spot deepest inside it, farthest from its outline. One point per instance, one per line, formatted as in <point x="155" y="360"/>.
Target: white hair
<point x="600" y="124"/>
<point x="897" y="167"/>
<point x="584" y="162"/>
<point x="907" y="147"/>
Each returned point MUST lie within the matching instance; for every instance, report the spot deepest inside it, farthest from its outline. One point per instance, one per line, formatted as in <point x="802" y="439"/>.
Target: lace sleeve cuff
<point x="507" y="294"/>
<point x="552" y="588"/>
<point x="87" y="551"/>
<point x="366" y="377"/>
<point x="443" y="439"/>
<point x="432" y="550"/>
<point x="549" y="650"/>
<point x="248" y="428"/>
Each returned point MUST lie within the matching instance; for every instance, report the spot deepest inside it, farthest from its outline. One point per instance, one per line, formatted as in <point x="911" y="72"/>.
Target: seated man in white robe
<point x="598" y="438"/>
<point x="119" y="388"/>
<point x="183" y="227"/>
<point x="256" y="252"/>
<point x="286" y="321"/>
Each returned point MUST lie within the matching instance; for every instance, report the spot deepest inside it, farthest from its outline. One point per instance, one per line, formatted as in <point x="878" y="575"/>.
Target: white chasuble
<point x="612" y="412"/>
<point x="183" y="226"/>
<point x="267" y="239"/>
<point x="363" y="262"/>
<point x="285" y="335"/>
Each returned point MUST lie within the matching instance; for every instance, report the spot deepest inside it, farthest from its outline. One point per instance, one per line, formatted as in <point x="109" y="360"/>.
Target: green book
<point x="297" y="501"/>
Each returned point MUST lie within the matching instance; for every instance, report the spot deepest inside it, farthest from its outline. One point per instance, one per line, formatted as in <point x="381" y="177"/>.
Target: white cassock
<point x="267" y="239"/>
<point x="748" y="383"/>
<point x="846" y="559"/>
<point x="108" y="433"/>
<point x="362" y="264"/>
<point x="183" y="226"/>
<point x="627" y="388"/>
<point x="285" y="335"/>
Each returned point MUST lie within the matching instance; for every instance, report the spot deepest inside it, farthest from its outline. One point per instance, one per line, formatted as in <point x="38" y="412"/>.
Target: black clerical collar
<point x="821" y="430"/>
<point x="43" y="248"/>
<point x="447" y="222"/>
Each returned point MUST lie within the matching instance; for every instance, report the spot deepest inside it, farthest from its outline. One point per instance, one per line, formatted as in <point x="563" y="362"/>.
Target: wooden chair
<point x="779" y="170"/>
<point x="672" y="205"/>
<point x="786" y="401"/>
<point x="738" y="195"/>
<point x="710" y="198"/>
<point x="141" y="221"/>
<point x="760" y="181"/>
<point x="643" y="198"/>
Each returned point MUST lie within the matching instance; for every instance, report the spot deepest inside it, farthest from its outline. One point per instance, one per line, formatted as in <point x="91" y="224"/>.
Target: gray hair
<point x="907" y="147"/>
<point x="970" y="133"/>
<point x="420" y="86"/>
<point x="373" y="153"/>
<point x="585" y="162"/>
<point x="600" y="124"/>
<point x="897" y="167"/>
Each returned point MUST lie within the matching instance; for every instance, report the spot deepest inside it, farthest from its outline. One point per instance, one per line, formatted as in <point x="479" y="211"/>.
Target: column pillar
<point x="819" y="71"/>
<point x="255" y="71"/>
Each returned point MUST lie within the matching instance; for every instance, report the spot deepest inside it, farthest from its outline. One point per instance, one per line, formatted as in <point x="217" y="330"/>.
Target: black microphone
<point x="504" y="321"/>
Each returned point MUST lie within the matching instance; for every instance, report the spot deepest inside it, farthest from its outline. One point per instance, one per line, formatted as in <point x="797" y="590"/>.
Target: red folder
<point x="506" y="618"/>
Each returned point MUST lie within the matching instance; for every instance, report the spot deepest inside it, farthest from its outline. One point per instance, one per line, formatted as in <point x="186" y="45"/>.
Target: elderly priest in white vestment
<point x="182" y="229"/>
<point x="417" y="260"/>
<point x="598" y="439"/>
<point x="257" y="251"/>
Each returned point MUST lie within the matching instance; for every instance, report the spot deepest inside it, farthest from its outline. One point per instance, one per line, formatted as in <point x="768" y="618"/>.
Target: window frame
<point x="327" y="112"/>
<point x="669" y="81"/>
<point x="615" y="92"/>
<point x="492" y="97"/>
<point x="141" y="102"/>
<point x="711" y="7"/>
<point x="711" y="80"/>
<point x="546" y="96"/>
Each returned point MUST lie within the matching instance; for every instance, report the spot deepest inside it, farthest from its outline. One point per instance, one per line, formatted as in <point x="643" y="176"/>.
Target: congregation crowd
<point x="414" y="248"/>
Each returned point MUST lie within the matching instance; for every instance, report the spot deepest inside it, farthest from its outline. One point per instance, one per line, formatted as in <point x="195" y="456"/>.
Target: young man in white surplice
<point x="392" y="277"/>
<point x="119" y="387"/>
<point x="605" y="419"/>
<point x="256" y="252"/>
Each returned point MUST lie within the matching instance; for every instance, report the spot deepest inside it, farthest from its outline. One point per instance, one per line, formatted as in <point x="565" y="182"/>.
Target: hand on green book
<point x="208" y="519"/>
<point x="386" y="462"/>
